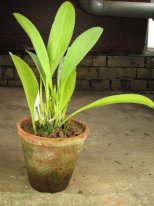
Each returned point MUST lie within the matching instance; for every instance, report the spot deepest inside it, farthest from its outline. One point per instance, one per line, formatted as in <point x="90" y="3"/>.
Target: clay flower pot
<point x="50" y="162"/>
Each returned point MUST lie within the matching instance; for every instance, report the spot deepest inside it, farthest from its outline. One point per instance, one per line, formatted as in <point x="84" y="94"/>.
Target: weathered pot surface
<point x="50" y="162"/>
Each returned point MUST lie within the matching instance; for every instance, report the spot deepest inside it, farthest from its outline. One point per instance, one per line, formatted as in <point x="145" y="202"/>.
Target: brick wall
<point x="97" y="72"/>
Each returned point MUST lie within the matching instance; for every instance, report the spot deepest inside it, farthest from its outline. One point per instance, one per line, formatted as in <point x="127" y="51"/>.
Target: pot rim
<point x="31" y="138"/>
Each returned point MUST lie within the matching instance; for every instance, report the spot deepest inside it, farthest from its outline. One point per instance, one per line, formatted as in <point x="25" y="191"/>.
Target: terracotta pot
<point x="50" y="162"/>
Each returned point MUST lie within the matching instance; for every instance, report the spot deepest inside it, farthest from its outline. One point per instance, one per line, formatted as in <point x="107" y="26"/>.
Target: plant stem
<point x="41" y="97"/>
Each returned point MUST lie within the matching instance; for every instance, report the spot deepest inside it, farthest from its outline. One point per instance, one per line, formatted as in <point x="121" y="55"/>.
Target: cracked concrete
<point x="116" y="166"/>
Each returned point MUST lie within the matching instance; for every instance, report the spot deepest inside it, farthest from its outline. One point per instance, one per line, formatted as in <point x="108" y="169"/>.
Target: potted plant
<point x="52" y="140"/>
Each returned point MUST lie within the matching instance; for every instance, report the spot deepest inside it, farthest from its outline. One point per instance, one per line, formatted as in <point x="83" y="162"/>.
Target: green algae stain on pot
<point x="68" y="160"/>
<point x="53" y="181"/>
<point x="28" y="150"/>
<point x="50" y="168"/>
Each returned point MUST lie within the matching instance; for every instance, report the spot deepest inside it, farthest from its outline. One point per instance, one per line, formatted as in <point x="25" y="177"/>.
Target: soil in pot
<point x="72" y="129"/>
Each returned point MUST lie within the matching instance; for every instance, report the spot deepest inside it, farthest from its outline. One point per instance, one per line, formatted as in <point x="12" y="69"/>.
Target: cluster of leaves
<point x="50" y="111"/>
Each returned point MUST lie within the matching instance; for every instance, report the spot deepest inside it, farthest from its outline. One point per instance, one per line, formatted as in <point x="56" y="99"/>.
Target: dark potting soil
<point x="72" y="129"/>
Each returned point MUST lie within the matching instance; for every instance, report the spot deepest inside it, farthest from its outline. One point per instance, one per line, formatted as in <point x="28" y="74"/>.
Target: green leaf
<point x="59" y="72"/>
<point x="29" y="82"/>
<point x="115" y="99"/>
<point x="38" y="65"/>
<point x="36" y="40"/>
<point x="61" y="34"/>
<point x="78" y="50"/>
<point x="67" y="90"/>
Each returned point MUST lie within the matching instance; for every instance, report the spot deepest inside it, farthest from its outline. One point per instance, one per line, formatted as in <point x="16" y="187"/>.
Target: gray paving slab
<point x="116" y="166"/>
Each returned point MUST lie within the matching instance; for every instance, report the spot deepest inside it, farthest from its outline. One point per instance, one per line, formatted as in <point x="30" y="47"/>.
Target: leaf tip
<point x="100" y="29"/>
<point x="10" y="53"/>
<point x="15" y="14"/>
<point x="69" y="5"/>
<point x="26" y="50"/>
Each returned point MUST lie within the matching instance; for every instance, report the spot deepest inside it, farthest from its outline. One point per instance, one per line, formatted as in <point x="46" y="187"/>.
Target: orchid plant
<point x="49" y="109"/>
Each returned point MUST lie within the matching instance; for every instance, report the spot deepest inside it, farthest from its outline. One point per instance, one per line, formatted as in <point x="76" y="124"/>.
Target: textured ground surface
<point x="116" y="166"/>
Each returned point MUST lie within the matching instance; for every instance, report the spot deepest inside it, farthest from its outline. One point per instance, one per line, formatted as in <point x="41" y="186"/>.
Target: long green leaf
<point x="61" y="34"/>
<point x="59" y="72"/>
<point x="38" y="65"/>
<point x="36" y="40"/>
<point x="67" y="90"/>
<point x="78" y="50"/>
<point x="29" y="82"/>
<point x="115" y="99"/>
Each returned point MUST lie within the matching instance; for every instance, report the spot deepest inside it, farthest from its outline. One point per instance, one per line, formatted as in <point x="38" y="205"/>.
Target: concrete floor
<point x="116" y="166"/>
